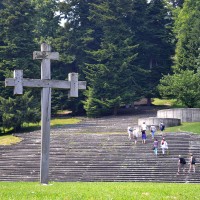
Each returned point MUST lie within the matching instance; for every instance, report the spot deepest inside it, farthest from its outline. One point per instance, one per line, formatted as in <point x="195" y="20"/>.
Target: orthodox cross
<point x="46" y="84"/>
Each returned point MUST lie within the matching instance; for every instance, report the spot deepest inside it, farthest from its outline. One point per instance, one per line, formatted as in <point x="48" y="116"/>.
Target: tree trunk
<point x="148" y="101"/>
<point x="115" y="110"/>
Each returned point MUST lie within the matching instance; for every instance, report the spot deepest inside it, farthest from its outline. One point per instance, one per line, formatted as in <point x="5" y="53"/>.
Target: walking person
<point x="135" y="134"/>
<point x="153" y="130"/>
<point x="164" y="146"/>
<point x="130" y="132"/>
<point x="192" y="163"/>
<point x="155" y="147"/>
<point x="181" y="164"/>
<point x="162" y="127"/>
<point x="143" y="130"/>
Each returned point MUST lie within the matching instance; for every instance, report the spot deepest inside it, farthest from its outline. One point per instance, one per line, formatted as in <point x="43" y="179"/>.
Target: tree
<point x="183" y="86"/>
<point x="176" y="3"/>
<point x="88" y="31"/>
<point x="47" y="20"/>
<point x="188" y="36"/>
<point x="184" y="83"/>
<point x="17" y="46"/>
<point x="77" y="35"/>
<point x="17" y="23"/>
<point x="111" y="74"/>
<point x="15" y="112"/>
<point x="156" y="47"/>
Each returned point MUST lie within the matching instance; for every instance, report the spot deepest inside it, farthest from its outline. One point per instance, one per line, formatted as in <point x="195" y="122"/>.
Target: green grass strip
<point x="192" y="127"/>
<point x="9" y="139"/>
<point x="98" y="191"/>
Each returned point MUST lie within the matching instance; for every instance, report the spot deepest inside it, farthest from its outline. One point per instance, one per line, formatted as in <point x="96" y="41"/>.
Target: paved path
<point x="83" y="152"/>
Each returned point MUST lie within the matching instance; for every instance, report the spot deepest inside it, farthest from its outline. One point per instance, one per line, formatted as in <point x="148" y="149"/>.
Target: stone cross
<point x="46" y="84"/>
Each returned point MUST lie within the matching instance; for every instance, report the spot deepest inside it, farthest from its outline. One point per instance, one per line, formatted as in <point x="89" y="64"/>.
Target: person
<point x="153" y="130"/>
<point x="164" y="146"/>
<point x="143" y="130"/>
<point x="181" y="164"/>
<point x="130" y="132"/>
<point x="135" y="134"/>
<point x="162" y="126"/>
<point x="155" y="147"/>
<point x="192" y="163"/>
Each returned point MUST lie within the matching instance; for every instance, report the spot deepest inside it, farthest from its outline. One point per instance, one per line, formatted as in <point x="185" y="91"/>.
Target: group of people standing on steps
<point x="133" y="134"/>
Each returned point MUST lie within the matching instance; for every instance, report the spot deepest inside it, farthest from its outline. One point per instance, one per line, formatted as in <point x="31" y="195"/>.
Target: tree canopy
<point x="183" y="86"/>
<point x="122" y="48"/>
<point x="184" y="83"/>
<point x="188" y="36"/>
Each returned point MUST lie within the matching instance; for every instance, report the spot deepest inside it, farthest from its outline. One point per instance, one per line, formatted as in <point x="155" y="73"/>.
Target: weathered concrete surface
<point x="156" y="121"/>
<point x="185" y="114"/>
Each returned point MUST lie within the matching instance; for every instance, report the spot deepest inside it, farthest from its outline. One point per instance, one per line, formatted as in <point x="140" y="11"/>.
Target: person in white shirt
<point x="164" y="146"/>
<point x="143" y="130"/>
<point x="135" y="134"/>
<point x="130" y="132"/>
<point x="153" y="130"/>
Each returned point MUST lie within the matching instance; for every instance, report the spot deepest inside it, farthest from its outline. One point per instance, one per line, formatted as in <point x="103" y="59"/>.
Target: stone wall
<point x="184" y="114"/>
<point x="156" y="121"/>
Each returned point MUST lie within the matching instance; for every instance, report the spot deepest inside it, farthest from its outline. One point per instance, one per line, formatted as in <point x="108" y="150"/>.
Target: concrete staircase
<point x="79" y="156"/>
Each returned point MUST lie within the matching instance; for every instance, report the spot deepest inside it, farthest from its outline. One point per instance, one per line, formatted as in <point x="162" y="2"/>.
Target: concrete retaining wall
<point x="185" y="114"/>
<point x="156" y="121"/>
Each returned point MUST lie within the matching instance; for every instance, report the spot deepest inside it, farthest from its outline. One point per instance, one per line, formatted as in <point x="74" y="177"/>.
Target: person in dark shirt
<point x="162" y="126"/>
<point x="181" y="164"/>
<point x="192" y="163"/>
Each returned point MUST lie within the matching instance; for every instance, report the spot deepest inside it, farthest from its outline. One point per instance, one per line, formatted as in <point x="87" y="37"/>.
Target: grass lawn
<point x="98" y="191"/>
<point x="161" y="102"/>
<point x="9" y="139"/>
<point x="192" y="127"/>
<point x="55" y="122"/>
<point x="172" y="103"/>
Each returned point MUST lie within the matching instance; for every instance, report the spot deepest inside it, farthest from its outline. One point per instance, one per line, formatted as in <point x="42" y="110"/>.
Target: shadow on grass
<point x="36" y="128"/>
<point x="22" y="130"/>
<point x="27" y="129"/>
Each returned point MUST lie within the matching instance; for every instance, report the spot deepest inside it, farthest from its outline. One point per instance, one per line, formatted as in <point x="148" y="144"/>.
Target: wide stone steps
<point x="98" y="157"/>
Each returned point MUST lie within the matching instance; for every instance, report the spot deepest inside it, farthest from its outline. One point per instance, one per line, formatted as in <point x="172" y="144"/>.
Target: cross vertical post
<point x="45" y="117"/>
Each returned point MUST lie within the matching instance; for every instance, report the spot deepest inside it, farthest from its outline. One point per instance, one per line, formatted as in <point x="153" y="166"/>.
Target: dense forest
<point x="124" y="49"/>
